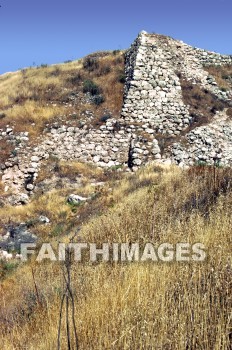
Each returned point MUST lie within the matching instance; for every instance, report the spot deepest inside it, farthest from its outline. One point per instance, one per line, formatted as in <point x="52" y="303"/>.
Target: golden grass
<point x="54" y="203"/>
<point x="32" y="97"/>
<point x="30" y="116"/>
<point x="135" y="305"/>
<point x="70" y="170"/>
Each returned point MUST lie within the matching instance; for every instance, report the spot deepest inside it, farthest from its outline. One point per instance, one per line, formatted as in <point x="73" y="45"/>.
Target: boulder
<point x="75" y="199"/>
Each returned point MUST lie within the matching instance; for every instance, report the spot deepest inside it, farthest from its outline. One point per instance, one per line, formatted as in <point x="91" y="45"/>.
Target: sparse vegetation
<point x="91" y="87"/>
<point x="116" y="52"/>
<point x="147" y="306"/>
<point x="104" y="69"/>
<point x="105" y="117"/>
<point x="76" y="79"/>
<point x="5" y="150"/>
<point x="98" y="99"/>
<point x="203" y="104"/>
<point x="229" y="112"/>
<point x="222" y="75"/>
<point x="121" y="78"/>
<point x="90" y="63"/>
<point x="136" y="305"/>
<point x="44" y="65"/>
<point x="34" y="97"/>
<point x="7" y="268"/>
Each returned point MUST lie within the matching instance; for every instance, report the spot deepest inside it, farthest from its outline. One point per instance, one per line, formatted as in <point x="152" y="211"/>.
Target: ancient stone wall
<point x="208" y="58"/>
<point x="153" y="113"/>
<point x="152" y="91"/>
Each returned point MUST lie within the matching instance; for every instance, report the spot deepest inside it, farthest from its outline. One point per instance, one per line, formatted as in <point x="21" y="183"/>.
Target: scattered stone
<point x="23" y="198"/>
<point x="17" y="234"/>
<point x="75" y="199"/>
<point x="35" y="159"/>
<point x="44" y="219"/>
<point x="30" y="187"/>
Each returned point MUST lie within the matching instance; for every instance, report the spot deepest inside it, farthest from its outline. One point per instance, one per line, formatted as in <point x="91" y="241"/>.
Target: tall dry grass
<point x="137" y="305"/>
<point x="34" y="97"/>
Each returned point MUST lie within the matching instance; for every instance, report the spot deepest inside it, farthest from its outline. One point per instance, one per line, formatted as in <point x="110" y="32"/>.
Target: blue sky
<point x="49" y="31"/>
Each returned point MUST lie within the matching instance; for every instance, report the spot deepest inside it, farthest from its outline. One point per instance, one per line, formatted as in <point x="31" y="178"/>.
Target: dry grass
<point x="203" y="104"/>
<point x="2" y="186"/>
<point x="6" y="149"/>
<point x="229" y="113"/>
<point x="112" y="88"/>
<point x="52" y="201"/>
<point x="70" y="170"/>
<point x="222" y="75"/>
<point x="33" y="97"/>
<point x="30" y="116"/>
<point x="138" y="305"/>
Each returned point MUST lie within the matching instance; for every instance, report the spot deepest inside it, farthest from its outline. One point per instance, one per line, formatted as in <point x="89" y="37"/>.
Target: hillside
<point x="150" y="305"/>
<point x="175" y="107"/>
<point x="119" y="147"/>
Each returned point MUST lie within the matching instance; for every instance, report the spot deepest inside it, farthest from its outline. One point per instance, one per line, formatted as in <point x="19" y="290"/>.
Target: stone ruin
<point x="155" y="123"/>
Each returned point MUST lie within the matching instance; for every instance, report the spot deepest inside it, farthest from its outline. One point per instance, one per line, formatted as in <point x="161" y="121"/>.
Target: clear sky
<point x="52" y="31"/>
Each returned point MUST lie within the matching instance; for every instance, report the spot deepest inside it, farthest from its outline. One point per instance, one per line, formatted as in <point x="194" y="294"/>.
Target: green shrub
<point x="58" y="230"/>
<point x="74" y="116"/>
<point x="105" y="117"/>
<point x="201" y="163"/>
<point x="75" y="79"/>
<point x="18" y="142"/>
<point x="14" y="153"/>
<point x="98" y="99"/>
<point x="91" y="87"/>
<point x="116" y="52"/>
<point x="7" y="267"/>
<point x="32" y="222"/>
<point x="104" y="70"/>
<point x="90" y="64"/>
<point x="43" y="65"/>
<point x="121" y="78"/>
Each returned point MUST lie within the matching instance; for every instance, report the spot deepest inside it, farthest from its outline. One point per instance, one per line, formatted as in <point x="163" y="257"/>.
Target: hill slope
<point x="171" y="110"/>
<point x="74" y="146"/>
<point x="150" y="305"/>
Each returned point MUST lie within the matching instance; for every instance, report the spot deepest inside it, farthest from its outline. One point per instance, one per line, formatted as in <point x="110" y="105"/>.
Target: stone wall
<point x="152" y="92"/>
<point x="208" y="58"/>
<point x="153" y="112"/>
<point x="153" y="100"/>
